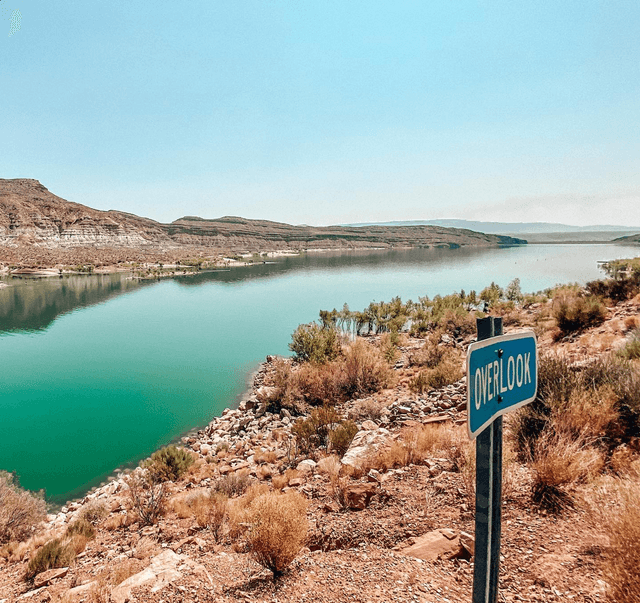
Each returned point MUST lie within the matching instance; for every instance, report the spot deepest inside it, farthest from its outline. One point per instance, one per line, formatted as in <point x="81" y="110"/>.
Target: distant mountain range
<point x="508" y="228"/>
<point x="38" y="227"/>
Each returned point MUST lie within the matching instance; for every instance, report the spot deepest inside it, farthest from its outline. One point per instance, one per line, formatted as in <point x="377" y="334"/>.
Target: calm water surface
<point x="99" y="371"/>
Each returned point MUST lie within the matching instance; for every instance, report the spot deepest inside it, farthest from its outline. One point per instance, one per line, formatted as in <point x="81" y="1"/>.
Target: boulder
<point x="364" y="444"/>
<point x="439" y="544"/>
<point x="358" y="496"/>
<point x="369" y="425"/>
<point x="307" y="466"/>
<point x="162" y="571"/>
<point x="46" y="578"/>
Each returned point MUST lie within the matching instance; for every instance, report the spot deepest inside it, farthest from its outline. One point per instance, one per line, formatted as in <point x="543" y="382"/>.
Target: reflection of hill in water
<point x="33" y="304"/>
<point x="338" y="260"/>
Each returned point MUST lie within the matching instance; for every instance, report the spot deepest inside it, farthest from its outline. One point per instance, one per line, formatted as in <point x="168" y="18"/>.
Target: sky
<point x="323" y="112"/>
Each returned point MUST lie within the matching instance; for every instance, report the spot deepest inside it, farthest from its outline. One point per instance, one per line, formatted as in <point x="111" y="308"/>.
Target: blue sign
<point x="502" y="375"/>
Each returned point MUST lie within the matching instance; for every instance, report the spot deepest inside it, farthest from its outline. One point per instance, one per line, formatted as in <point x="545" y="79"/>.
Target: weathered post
<point x="488" y="494"/>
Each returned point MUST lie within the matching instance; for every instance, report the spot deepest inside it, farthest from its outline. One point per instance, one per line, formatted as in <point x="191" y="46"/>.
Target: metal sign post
<point x="502" y="375"/>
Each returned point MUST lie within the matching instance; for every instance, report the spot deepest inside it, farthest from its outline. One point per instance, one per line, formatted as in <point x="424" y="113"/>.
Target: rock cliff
<point x="32" y="217"/>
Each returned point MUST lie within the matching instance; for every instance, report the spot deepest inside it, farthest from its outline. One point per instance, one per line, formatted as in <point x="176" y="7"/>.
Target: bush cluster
<point x="580" y="420"/>
<point x="359" y="371"/>
<point x="20" y="510"/>
<point x="313" y="343"/>
<point x="168" y="464"/>
<point x="575" y="312"/>
<point x="323" y="428"/>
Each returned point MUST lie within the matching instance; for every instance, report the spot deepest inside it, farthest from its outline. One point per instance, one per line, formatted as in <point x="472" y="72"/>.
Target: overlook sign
<point x="502" y="375"/>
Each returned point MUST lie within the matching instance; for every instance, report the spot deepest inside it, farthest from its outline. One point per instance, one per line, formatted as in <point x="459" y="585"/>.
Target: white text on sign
<point x="492" y="380"/>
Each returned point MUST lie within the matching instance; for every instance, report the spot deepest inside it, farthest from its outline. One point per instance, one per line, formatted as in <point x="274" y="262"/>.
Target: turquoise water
<point x="99" y="371"/>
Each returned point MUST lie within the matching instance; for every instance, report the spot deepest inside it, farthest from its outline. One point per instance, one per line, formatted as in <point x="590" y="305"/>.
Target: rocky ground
<point x="403" y="535"/>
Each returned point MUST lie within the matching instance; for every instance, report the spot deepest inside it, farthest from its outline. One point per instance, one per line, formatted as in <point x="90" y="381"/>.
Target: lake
<point x="99" y="371"/>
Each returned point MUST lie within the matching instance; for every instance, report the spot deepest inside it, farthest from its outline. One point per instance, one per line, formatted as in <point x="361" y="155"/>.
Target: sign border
<point x="478" y="345"/>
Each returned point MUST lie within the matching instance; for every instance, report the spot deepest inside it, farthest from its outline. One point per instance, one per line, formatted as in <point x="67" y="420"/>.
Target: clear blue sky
<point x="328" y="111"/>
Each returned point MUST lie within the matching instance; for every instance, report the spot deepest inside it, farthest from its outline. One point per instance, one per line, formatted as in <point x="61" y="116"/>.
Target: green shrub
<point x="313" y="343"/>
<point x="340" y="438"/>
<point x="52" y="555"/>
<point x="168" y="464"/>
<point x="575" y="312"/>
<point x="631" y="350"/>
<point x="313" y="431"/>
<point x="20" y="510"/>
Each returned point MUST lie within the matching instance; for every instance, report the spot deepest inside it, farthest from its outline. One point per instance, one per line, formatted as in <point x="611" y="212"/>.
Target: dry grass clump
<point x="417" y="444"/>
<point x="282" y="481"/>
<point x="266" y="456"/>
<point x="277" y="529"/>
<point x="445" y="373"/>
<point x="94" y="511"/>
<point x="560" y="462"/>
<point x="575" y="311"/>
<point x="208" y="508"/>
<point x="367" y="409"/>
<point x="53" y="554"/>
<point x="20" y="510"/>
<point x="614" y="510"/>
<point x="233" y="484"/>
<point x="631" y="349"/>
<point x="330" y="466"/>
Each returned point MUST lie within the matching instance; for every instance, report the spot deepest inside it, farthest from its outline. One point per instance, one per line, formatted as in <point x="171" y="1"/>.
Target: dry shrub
<point x="100" y="591"/>
<point x="631" y="323"/>
<point x="145" y="548"/>
<point x="53" y="554"/>
<point x="561" y="461"/>
<point x="587" y="413"/>
<point x="575" y="312"/>
<point x="278" y="529"/>
<point x="614" y="510"/>
<point x="445" y="373"/>
<point x="266" y="456"/>
<point x="94" y="511"/>
<point x="367" y="409"/>
<point x="237" y="510"/>
<point x="233" y="484"/>
<point x="330" y="466"/>
<point x="314" y="431"/>
<point x="322" y="383"/>
<point x="20" y="510"/>
<point x="146" y="496"/>
<point x="430" y="354"/>
<point x="365" y="370"/>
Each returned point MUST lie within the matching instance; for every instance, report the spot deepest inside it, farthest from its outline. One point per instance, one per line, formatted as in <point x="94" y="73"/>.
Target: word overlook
<point x="501" y="376"/>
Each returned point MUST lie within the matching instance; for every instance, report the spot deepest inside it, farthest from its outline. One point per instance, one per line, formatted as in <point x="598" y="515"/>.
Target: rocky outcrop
<point x="30" y="215"/>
